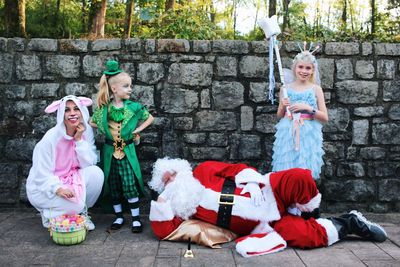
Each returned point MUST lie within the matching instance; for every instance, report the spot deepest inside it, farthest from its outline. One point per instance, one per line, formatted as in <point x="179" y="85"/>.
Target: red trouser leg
<point x="301" y="233"/>
<point x="292" y="186"/>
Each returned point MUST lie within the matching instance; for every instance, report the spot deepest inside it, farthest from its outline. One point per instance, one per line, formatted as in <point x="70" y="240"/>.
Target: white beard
<point x="184" y="194"/>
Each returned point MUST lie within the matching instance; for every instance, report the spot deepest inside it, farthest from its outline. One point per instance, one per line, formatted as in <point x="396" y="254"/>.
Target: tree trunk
<point x="22" y="18"/>
<point x="344" y="15"/>
<point x="11" y="18"/>
<point x="373" y="16"/>
<point x="271" y="8"/>
<point x="169" y="4"/>
<point x="286" y="22"/>
<point x="128" y="18"/>
<point x="234" y="18"/>
<point x="212" y="11"/>
<point x="98" y="10"/>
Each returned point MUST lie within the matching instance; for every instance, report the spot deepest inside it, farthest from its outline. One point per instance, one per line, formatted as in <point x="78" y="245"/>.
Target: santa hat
<point x="260" y="244"/>
<point x="163" y="165"/>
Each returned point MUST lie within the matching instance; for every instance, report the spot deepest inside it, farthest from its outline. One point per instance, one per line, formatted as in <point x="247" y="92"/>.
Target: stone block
<point x="386" y="69"/>
<point x="373" y="111"/>
<point x="9" y="175"/>
<point x="183" y="123"/>
<point x="387" y="49"/>
<point x="360" y="132"/>
<point x="391" y="90"/>
<point x="389" y="190"/>
<point x="43" y="123"/>
<point x="192" y="74"/>
<point x="6" y="67"/>
<point x="3" y="44"/>
<point x="254" y="67"/>
<point x="43" y="45"/>
<point x="106" y="45"/>
<point x="394" y="112"/>
<point x="16" y="44"/>
<point x="226" y="66"/>
<point x="73" y="46"/>
<point x="173" y="46"/>
<point x="93" y="66"/>
<point x="342" y="48"/>
<point x="178" y="100"/>
<point x="78" y="89"/>
<point x="339" y="119"/>
<point x="357" y="92"/>
<point x="344" y="69"/>
<point x="150" y="73"/>
<point x="144" y="95"/>
<point x="246" y="118"/>
<point x="365" y="69"/>
<point x="209" y="120"/>
<point x="20" y="149"/>
<point x="372" y="153"/>
<point x="265" y="123"/>
<point x="351" y="153"/>
<point x="217" y="139"/>
<point x="245" y="147"/>
<point x="205" y="99"/>
<point x="366" y="49"/>
<point x="378" y="169"/>
<point x="259" y="47"/>
<point x="64" y="66"/>
<point x="258" y="92"/>
<point x="133" y="44"/>
<point x="150" y="46"/>
<point x="28" y="67"/>
<point x="201" y="46"/>
<point x="208" y="153"/>
<point x="40" y="90"/>
<point x="334" y="150"/>
<point x="227" y="95"/>
<point x="386" y="133"/>
<point x="14" y="91"/>
<point x="230" y="47"/>
<point x="327" y="70"/>
<point x="354" y="169"/>
<point x="350" y="190"/>
<point x="195" y="138"/>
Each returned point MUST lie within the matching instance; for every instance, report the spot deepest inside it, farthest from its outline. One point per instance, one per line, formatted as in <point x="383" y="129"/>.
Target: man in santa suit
<point x="264" y="209"/>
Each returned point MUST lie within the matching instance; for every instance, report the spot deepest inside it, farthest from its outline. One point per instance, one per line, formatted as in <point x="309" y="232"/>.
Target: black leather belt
<point x="119" y="144"/>
<point x="226" y="202"/>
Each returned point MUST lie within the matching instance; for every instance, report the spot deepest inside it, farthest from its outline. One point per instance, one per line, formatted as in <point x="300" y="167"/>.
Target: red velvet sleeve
<point x="221" y="169"/>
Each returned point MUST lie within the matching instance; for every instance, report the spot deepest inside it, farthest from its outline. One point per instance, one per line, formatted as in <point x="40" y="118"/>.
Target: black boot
<point x="116" y="226"/>
<point x="355" y="223"/>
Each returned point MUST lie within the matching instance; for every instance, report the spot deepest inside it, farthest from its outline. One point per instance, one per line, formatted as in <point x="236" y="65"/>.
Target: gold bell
<point x="188" y="252"/>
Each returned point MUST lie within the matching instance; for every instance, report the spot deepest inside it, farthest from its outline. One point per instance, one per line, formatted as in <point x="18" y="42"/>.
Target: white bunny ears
<point x="84" y="101"/>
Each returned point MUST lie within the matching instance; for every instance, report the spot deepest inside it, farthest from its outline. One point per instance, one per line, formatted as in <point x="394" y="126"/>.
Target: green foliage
<point x="181" y="23"/>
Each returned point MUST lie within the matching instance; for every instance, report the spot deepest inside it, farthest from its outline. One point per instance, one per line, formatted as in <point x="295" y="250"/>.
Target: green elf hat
<point x="112" y="68"/>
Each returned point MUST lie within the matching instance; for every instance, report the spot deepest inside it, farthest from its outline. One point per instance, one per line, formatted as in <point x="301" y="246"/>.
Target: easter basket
<point x="68" y="229"/>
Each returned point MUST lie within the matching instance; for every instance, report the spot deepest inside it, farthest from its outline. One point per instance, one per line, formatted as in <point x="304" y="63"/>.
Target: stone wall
<point x="209" y="100"/>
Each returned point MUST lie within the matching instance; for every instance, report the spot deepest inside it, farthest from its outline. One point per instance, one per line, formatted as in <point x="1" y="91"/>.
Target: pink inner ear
<point x="53" y="106"/>
<point x="85" y="101"/>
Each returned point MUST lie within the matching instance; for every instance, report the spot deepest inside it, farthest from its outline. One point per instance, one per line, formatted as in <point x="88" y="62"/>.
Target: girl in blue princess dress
<point x="298" y="138"/>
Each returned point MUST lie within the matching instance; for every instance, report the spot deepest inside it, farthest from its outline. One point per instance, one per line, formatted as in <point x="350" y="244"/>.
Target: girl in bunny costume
<point x="64" y="177"/>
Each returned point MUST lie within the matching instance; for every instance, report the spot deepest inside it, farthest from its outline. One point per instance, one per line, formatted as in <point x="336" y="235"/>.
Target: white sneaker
<point x="89" y="224"/>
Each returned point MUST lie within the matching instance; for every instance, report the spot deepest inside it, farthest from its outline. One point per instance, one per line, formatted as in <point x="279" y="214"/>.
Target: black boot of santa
<point x="355" y="223"/>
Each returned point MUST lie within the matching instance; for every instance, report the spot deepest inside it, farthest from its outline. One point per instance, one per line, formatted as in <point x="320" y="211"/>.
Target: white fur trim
<point x="163" y="165"/>
<point x="270" y="243"/>
<point x="262" y="227"/>
<point x="311" y="205"/>
<point x="330" y="229"/>
<point x="248" y="175"/>
<point x="160" y="211"/>
<point x="243" y="207"/>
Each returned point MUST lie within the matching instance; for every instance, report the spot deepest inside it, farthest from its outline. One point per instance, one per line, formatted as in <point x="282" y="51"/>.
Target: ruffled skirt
<point x="310" y="152"/>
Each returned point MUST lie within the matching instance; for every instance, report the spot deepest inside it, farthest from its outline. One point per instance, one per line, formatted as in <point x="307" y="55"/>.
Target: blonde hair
<point x="305" y="57"/>
<point x="104" y="95"/>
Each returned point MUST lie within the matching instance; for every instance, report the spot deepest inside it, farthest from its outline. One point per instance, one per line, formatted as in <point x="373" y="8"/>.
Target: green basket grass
<point x="68" y="239"/>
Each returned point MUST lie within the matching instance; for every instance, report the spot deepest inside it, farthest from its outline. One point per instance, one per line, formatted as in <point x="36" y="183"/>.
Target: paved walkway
<point x="24" y="242"/>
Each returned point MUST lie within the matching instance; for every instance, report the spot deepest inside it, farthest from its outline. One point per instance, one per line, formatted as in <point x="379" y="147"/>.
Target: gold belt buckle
<point x="119" y="144"/>
<point x="226" y="202"/>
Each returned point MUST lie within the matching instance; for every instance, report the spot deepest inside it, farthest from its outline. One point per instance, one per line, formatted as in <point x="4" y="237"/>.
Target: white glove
<point x="255" y="193"/>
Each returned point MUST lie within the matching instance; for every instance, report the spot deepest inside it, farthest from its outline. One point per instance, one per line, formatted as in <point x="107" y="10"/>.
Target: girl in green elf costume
<point x="117" y="118"/>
